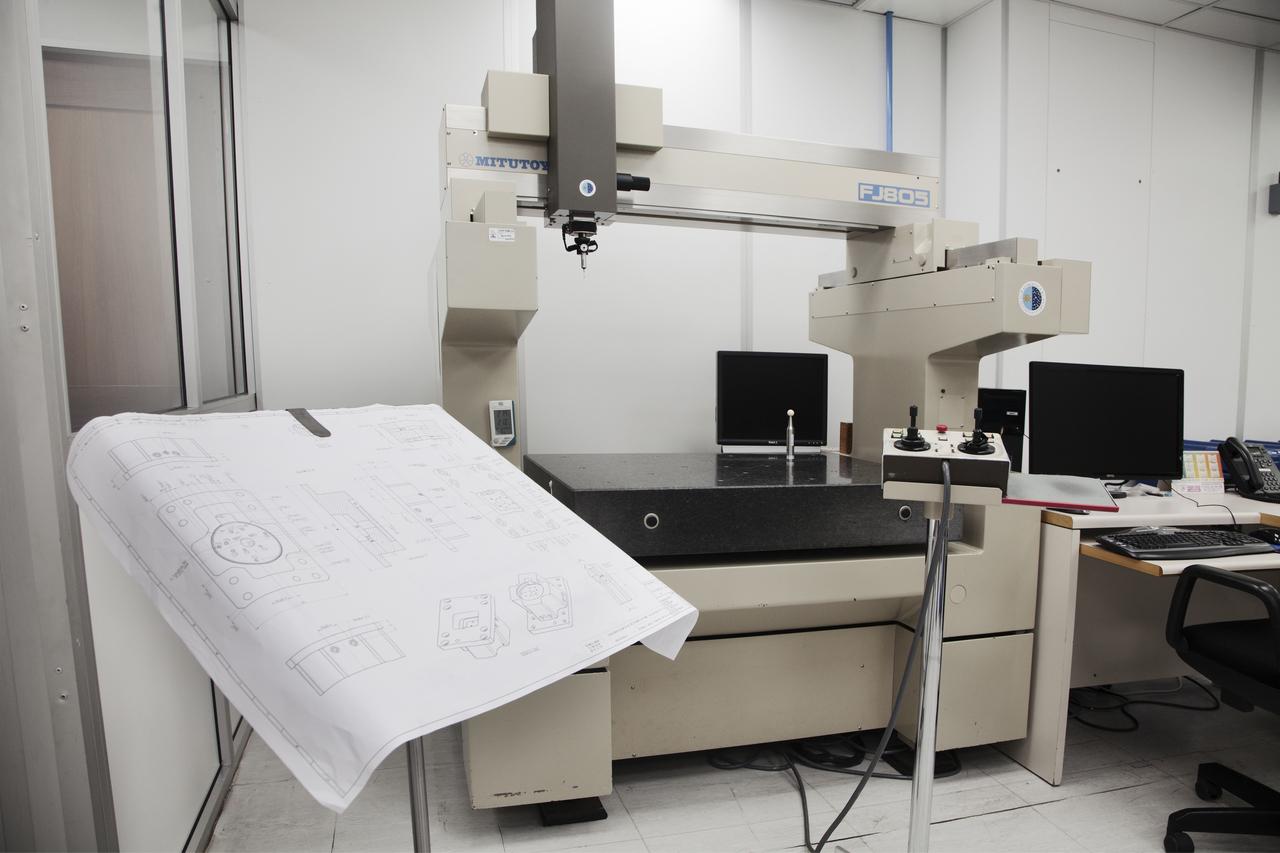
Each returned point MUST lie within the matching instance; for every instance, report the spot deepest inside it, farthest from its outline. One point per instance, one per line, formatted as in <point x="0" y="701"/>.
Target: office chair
<point x="1242" y="657"/>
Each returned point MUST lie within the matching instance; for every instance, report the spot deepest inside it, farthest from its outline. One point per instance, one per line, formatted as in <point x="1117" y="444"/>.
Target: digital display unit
<point x="754" y="390"/>
<point x="1104" y="421"/>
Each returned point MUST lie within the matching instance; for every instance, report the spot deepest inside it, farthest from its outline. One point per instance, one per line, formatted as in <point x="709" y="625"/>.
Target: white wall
<point x="1262" y="403"/>
<point x="835" y="95"/>
<point x="157" y="708"/>
<point x="621" y="358"/>
<point x="1128" y="146"/>
<point x="972" y="168"/>
<point x="1199" y="222"/>
<point x="341" y="111"/>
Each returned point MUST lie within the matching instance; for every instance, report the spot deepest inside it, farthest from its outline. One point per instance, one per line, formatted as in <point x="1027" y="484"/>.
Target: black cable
<point x="856" y="739"/>
<point x="716" y="760"/>
<point x="1124" y="703"/>
<point x="854" y="771"/>
<point x="791" y="755"/>
<point x="1121" y="729"/>
<point x="811" y="753"/>
<point x="1199" y="505"/>
<point x="941" y="537"/>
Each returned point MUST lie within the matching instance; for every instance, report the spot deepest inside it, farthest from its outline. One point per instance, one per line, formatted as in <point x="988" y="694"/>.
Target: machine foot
<point x="902" y="757"/>
<point x="572" y="811"/>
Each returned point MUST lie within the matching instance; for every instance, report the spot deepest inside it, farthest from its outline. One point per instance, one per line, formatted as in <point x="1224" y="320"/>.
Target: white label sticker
<point x="1031" y="298"/>
<point x="502" y="235"/>
<point x="587" y="187"/>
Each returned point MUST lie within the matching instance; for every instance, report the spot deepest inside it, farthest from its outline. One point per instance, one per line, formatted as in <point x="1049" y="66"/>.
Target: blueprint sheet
<point x="350" y="593"/>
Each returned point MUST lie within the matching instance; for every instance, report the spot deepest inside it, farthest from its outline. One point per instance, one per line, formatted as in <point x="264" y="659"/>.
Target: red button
<point x="942" y="428"/>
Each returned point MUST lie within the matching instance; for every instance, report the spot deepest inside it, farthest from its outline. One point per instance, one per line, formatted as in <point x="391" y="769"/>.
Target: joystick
<point x="978" y="444"/>
<point x="912" y="440"/>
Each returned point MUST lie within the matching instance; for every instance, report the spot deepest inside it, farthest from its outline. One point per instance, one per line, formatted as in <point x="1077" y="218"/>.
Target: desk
<point x="1100" y="616"/>
<point x="1172" y="568"/>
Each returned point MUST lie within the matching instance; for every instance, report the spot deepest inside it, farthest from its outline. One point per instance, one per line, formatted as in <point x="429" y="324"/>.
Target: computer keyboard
<point x="1173" y="543"/>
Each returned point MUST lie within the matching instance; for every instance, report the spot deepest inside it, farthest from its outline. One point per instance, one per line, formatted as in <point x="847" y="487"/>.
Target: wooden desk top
<point x="1173" y="511"/>
<point x="1167" y="568"/>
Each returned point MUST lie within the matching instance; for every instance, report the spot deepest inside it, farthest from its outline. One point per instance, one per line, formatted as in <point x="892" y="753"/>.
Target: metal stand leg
<point x="418" y="814"/>
<point x="930" y="624"/>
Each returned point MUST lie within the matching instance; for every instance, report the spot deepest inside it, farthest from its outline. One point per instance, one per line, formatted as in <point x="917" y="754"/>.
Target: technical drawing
<point x="326" y="662"/>
<point x="414" y="433"/>
<point x="500" y="499"/>
<point x="241" y="546"/>
<point x="471" y="622"/>
<point x="545" y="602"/>
<point x="608" y="581"/>
<point x="429" y="509"/>
<point x="356" y="521"/>
<point x="140" y="454"/>
<point x="245" y="543"/>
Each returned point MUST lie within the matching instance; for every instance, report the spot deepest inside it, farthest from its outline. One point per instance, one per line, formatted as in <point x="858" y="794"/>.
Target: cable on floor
<point x="933" y="569"/>
<point x="1079" y="702"/>
<point x="833" y="754"/>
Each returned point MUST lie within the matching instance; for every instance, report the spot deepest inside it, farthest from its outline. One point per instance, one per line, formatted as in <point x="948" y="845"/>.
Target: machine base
<point x="582" y="810"/>
<point x="901" y="756"/>
<point x="682" y="504"/>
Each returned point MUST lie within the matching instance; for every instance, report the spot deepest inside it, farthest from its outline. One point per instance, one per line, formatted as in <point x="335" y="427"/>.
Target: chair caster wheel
<point x="1178" y="842"/>
<point x="1207" y="790"/>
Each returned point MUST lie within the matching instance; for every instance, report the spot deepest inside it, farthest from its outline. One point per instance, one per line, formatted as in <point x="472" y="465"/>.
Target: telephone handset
<point x="1252" y="470"/>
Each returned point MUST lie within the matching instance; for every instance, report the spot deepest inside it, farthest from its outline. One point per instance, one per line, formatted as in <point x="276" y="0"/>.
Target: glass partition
<point x="109" y="159"/>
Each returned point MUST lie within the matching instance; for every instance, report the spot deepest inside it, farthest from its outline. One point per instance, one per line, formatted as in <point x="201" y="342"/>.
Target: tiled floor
<point x="1118" y="792"/>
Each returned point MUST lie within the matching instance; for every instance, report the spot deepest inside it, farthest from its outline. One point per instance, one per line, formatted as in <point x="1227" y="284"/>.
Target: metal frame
<point x="55" y="790"/>
<point x="419" y="814"/>
<point x="180" y="194"/>
<point x="248" y="295"/>
<point x="753" y="204"/>
<point x="231" y="745"/>
<point x="931" y="616"/>
<point x="55" y="784"/>
<point x="183" y="232"/>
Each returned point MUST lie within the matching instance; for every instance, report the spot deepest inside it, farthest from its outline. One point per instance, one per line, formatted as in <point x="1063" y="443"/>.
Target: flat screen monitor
<point x="754" y="390"/>
<point x="1103" y="421"/>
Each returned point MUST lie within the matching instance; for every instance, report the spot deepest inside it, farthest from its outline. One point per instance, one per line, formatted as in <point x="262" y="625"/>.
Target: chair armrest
<point x="1239" y="581"/>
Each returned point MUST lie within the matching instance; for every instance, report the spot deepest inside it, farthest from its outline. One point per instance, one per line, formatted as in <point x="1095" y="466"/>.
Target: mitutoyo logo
<point x="1031" y="298"/>
<point x="488" y="161"/>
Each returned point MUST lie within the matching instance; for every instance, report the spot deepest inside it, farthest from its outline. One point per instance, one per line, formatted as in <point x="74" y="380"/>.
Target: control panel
<point x="914" y="455"/>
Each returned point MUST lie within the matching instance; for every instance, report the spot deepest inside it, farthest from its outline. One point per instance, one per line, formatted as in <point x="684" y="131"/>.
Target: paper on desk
<point x="350" y="593"/>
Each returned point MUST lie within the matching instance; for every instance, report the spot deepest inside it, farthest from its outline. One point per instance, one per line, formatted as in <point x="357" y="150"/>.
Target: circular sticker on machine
<point x="1031" y="297"/>
<point x="587" y="187"/>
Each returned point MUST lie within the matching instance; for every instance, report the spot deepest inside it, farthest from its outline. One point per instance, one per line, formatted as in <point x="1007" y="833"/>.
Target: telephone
<point x="1252" y="470"/>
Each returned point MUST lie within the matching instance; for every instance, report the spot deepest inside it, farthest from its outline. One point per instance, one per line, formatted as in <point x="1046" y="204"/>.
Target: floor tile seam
<point x="1063" y="799"/>
<point x="657" y="835"/>
<point x="1022" y="807"/>
<point x="1039" y="806"/>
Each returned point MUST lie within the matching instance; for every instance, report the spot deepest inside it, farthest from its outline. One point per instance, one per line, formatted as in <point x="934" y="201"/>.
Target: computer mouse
<point x="1270" y="535"/>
